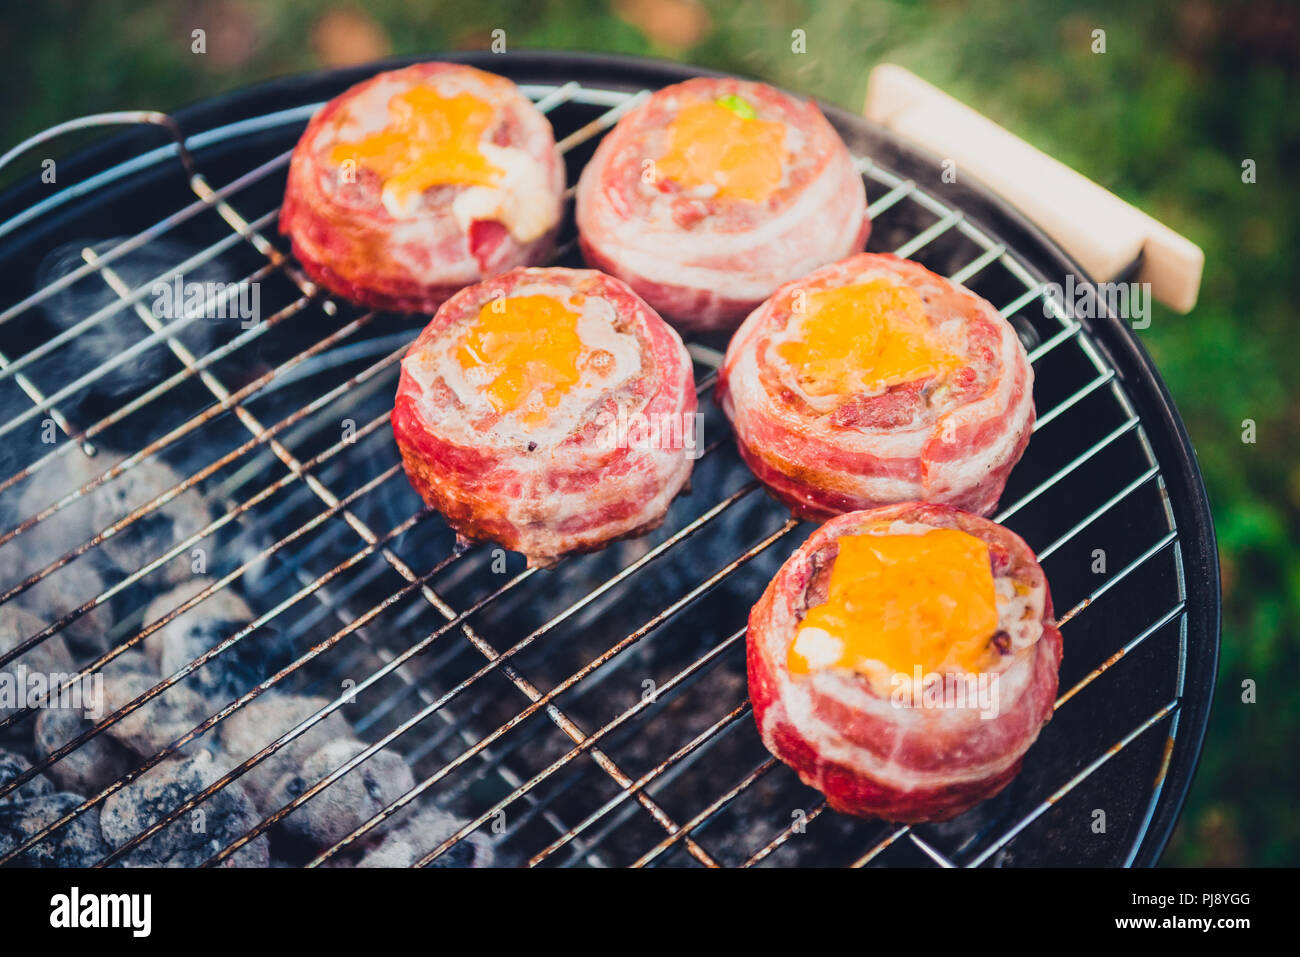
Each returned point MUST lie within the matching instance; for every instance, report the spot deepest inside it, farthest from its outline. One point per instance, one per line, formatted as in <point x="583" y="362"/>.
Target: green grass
<point x="1183" y="94"/>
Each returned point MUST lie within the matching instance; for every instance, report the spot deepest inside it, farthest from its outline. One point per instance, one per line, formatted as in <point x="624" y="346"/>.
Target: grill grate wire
<point x="632" y="791"/>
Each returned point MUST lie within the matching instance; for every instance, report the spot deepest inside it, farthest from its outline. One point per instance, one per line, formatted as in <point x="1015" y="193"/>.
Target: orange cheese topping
<point x="902" y="600"/>
<point x="531" y="350"/>
<point x="711" y="144"/>
<point x="863" y="338"/>
<point x="430" y="140"/>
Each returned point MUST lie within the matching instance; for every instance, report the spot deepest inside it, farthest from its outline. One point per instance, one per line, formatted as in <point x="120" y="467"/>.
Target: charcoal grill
<point x="593" y="713"/>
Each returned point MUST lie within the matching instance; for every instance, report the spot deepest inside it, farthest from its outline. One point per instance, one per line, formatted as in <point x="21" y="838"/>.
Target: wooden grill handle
<point x="1103" y="233"/>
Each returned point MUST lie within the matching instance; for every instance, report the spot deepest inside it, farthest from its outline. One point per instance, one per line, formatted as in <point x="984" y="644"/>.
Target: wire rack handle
<point x="1100" y="230"/>
<point x="117" y="118"/>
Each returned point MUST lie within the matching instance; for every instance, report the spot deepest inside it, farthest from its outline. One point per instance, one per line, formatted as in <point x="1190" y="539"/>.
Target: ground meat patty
<point x="881" y="748"/>
<point x="874" y="381"/>
<point x="549" y="410"/>
<point x="421" y="181"/>
<point x="715" y="191"/>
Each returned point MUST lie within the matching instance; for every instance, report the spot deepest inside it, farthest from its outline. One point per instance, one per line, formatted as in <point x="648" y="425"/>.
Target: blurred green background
<point x="1165" y="117"/>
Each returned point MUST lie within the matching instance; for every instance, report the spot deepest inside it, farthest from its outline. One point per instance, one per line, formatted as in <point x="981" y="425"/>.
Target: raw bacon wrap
<point x="869" y="755"/>
<point x="576" y="491"/>
<point x="704" y="263"/>
<point x="348" y="241"/>
<point x="909" y="443"/>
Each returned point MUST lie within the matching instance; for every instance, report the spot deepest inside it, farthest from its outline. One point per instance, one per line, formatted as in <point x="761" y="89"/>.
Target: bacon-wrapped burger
<point x="715" y="191"/>
<point x="904" y="659"/>
<point x="549" y="410"/>
<point x="419" y="182"/>
<point x="874" y="381"/>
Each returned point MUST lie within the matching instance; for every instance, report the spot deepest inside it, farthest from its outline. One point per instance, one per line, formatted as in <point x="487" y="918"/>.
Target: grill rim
<point x="1172" y="448"/>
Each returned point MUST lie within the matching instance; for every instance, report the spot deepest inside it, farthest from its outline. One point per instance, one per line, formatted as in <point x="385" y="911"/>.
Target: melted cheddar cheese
<point x="712" y="145"/>
<point x="430" y="140"/>
<point x="904" y="601"/>
<point x="529" y="350"/>
<point x="863" y="338"/>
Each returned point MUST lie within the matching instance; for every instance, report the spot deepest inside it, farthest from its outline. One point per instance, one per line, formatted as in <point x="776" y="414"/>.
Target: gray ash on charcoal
<point x="12" y="765"/>
<point x="263" y="720"/>
<point x="195" y="835"/>
<point x="90" y="767"/>
<point x="251" y="660"/>
<point x="131" y="547"/>
<point x="101" y="759"/>
<point x="231" y="811"/>
<point x="117" y="749"/>
<point x="419" y="833"/>
<point x="160" y="720"/>
<point x="16" y="626"/>
<point x="157" y="531"/>
<point x="58" y="533"/>
<point x="64" y="591"/>
<point x="347" y="803"/>
<point x="50" y="656"/>
<point x="79" y="843"/>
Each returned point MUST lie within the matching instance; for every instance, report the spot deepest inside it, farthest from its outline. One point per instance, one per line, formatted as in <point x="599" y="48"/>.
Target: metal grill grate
<point x="524" y="699"/>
